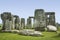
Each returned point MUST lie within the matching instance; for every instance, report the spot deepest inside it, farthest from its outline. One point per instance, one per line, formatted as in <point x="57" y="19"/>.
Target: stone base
<point x="39" y="28"/>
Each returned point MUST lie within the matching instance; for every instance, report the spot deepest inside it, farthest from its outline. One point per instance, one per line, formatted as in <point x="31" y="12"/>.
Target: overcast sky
<point x="26" y="8"/>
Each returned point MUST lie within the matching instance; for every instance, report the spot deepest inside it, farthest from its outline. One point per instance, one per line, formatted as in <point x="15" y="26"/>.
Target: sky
<point x="26" y="8"/>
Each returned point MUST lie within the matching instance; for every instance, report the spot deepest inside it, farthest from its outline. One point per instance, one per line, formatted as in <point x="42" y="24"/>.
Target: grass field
<point x="13" y="36"/>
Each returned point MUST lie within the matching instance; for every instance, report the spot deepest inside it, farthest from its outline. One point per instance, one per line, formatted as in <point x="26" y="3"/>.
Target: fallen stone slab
<point x="11" y="31"/>
<point x="6" y="31"/>
<point x="51" y="28"/>
<point x="30" y="33"/>
<point x="15" y="31"/>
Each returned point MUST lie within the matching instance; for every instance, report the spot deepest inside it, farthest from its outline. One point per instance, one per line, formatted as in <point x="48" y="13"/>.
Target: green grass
<point x="13" y="36"/>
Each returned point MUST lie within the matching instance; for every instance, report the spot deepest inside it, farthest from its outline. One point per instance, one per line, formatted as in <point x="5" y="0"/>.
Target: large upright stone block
<point x="17" y="22"/>
<point x="22" y="23"/>
<point x="8" y="25"/>
<point x="50" y="18"/>
<point x="39" y="19"/>
<point x="29" y="24"/>
<point x="13" y="22"/>
<point x="6" y="16"/>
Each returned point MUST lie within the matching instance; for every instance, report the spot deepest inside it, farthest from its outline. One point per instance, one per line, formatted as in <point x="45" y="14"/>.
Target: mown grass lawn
<point x="14" y="36"/>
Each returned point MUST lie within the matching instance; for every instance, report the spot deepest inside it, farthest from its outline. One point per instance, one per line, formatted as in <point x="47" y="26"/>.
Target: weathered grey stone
<point x="15" y="31"/>
<point x="50" y="18"/>
<point x="22" y="23"/>
<point x="40" y="21"/>
<point x="29" y="24"/>
<point x="8" y="25"/>
<point x="13" y="22"/>
<point x="51" y="28"/>
<point x="30" y="33"/>
<point x="11" y="31"/>
<point x="6" y="16"/>
<point x="17" y="22"/>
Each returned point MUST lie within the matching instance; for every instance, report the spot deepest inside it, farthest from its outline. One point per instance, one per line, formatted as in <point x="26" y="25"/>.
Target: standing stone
<point x="13" y="22"/>
<point x="40" y="22"/>
<point x="8" y="25"/>
<point x="22" y="23"/>
<point x="17" y="22"/>
<point x="29" y="25"/>
<point x="6" y="17"/>
<point x="50" y="18"/>
<point x="3" y="20"/>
